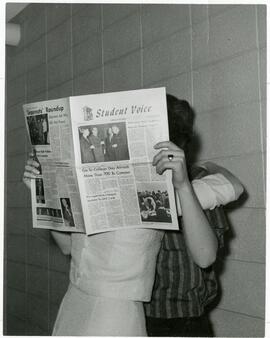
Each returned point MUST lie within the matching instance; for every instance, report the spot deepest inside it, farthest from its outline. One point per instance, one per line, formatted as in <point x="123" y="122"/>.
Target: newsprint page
<point x="95" y="154"/>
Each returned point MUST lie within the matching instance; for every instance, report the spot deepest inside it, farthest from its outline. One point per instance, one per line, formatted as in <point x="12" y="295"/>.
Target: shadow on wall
<point x="192" y="156"/>
<point x="220" y="266"/>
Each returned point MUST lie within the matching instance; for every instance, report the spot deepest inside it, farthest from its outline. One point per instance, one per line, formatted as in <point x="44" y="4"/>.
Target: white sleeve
<point x="211" y="191"/>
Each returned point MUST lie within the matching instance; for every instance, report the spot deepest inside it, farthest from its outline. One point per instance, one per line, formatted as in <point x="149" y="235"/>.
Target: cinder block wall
<point x="212" y="55"/>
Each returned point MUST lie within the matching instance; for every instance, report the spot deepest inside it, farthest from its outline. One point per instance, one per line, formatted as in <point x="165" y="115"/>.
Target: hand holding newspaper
<point x="95" y="154"/>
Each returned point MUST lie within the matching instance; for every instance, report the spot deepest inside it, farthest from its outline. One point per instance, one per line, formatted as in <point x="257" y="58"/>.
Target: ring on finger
<point x="170" y="157"/>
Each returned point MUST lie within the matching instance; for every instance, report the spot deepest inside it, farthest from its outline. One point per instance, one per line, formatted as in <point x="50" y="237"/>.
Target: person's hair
<point x="181" y="118"/>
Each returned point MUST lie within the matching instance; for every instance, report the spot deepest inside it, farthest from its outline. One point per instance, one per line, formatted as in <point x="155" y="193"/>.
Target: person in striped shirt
<point x="183" y="285"/>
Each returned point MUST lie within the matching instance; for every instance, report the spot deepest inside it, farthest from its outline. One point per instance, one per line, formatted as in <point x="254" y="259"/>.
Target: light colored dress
<point x="111" y="275"/>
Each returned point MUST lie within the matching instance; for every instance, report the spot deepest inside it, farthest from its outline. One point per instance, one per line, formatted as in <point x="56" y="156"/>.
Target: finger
<point x="166" y="144"/>
<point x="31" y="169"/>
<point x="32" y="163"/>
<point x="28" y="175"/>
<point x="164" y="154"/>
<point x="164" y="165"/>
<point x="160" y="165"/>
<point x="165" y="160"/>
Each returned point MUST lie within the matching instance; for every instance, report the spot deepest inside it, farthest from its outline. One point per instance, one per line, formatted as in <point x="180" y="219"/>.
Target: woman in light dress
<point x="112" y="273"/>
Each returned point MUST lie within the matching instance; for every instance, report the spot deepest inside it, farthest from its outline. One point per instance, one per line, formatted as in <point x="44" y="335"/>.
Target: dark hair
<point x="181" y="118"/>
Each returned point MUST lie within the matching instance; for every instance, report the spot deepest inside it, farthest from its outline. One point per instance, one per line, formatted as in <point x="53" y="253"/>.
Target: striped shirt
<point x="182" y="288"/>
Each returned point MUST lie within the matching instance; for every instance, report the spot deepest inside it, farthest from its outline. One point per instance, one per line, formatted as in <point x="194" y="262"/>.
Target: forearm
<point x="200" y="238"/>
<point x="63" y="240"/>
<point x="216" y="169"/>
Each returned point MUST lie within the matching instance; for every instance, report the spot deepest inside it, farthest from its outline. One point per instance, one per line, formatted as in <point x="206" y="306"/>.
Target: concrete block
<point x="226" y="83"/>
<point x="201" y="50"/>
<point x="120" y="75"/>
<point x="58" y="286"/>
<point x="41" y="234"/>
<point x="57" y="260"/>
<point x="263" y="110"/>
<point x="16" y="91"/>
<point x="17" y="195"/>
<point x="14" y="326"/>
<point x="53" y="314"/>
<point x="63" y="90"/>
<point x="88" y="83"/>
<point x="199" y="13"/>
<point x="33" y="329"/>
<point x="16" y="248"/>
<point x="57" y="13"/>
<point x="35" y="23"/>
<point x="15" y="64"/>
<point x="264" y="173"/>
<point x="36" y="81"/>
<point x="15" y="167"/>
<point x="87" y="55"/>
<point x="162" y="20"/>
<point x="16" y="303"/>
<point x="231" y="324"/>
<point x="115" y="12"/>
<point x="16" y="140"/>
<point x="261" y="19"/>
<point x="249" y="233"/>
<point x="263" y="72"/>
<point x="85" y="21"/>
<point x="219" y="9"/>
<point x="247" y="300"/>
<point x="35" y="53"/>
<point x="31" y="11"/>
<point x="227" y="34"/>
<point x="59" y="70"/>
<point x="179" y="86"/>
<point x="122" y="37"/>
<point x="86" y="9"/>
<point x="42" y="96"/>
<point x="37" y="281"/>
<point x="38" y="252"/>
<point x="16" y="276"/>
<point x="38" y="311"/>
<point x="59" y="39"/>
<point x="14" y="117"/>
<point x="167" y="58"/>
<point x="230" y="131"/>
<point x="17" y="220"/>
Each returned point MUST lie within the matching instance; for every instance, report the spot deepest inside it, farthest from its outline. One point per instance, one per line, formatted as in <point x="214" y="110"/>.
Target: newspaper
<point x="95" y="154"/>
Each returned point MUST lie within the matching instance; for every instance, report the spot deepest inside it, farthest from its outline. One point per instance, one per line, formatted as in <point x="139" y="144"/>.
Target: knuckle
<point x="162" y="161"/>
<point x="159" y="168"/>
